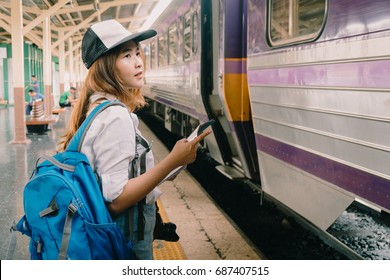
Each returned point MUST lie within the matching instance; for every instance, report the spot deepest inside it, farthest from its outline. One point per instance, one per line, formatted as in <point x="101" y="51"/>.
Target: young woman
<point x="116" y="71"/>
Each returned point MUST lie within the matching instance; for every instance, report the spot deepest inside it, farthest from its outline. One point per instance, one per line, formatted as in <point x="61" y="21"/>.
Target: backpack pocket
<point x="108" y="242"/>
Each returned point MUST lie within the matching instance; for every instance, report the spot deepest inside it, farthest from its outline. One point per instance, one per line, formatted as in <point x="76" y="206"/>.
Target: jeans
<point x="142" y="248"/>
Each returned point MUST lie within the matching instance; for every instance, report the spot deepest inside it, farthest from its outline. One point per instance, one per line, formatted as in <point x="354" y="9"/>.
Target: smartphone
<point x="205" y="125"/>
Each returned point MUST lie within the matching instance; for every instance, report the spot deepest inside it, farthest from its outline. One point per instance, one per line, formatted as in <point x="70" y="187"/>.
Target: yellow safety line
<point x="163" y="250"/>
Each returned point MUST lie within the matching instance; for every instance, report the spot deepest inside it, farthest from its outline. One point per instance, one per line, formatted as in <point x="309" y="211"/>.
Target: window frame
<point x="173" y="30"/>
<point x="161" y="52"/>
<point x="152" y="53"/>
<point x="291" y="21"/>
<point x="186" y="16"/>
<point x="194" y="32"/>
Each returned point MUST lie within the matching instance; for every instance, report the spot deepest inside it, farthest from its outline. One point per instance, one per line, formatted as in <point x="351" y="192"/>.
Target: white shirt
<point x="109" y="145"/>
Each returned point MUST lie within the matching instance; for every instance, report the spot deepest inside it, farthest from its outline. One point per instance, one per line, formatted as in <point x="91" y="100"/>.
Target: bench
<point x="41" y="125"/>
<point x="38" y="122"/>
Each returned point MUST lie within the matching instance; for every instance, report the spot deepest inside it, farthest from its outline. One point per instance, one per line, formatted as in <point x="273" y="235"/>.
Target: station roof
<point x="73" y="17"/>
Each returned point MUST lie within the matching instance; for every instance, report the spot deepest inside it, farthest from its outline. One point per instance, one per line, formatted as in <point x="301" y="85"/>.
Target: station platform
<point x="206" y="233"/>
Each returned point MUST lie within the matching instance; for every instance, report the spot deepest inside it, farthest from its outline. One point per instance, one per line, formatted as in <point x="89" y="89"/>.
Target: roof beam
<point x="77" y="28"/>
<point x="7" y="27"/>
<point x="45" y="14"/>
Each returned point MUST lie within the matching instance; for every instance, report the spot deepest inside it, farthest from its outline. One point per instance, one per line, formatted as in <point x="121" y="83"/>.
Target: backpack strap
<point x="141" y="219"/>
<point x="133" y="171"/>
<point x="78" y="138"/>
<point x="21" y="226"/>
<point x="12" y="242"/>
<point x="72" y="209"/>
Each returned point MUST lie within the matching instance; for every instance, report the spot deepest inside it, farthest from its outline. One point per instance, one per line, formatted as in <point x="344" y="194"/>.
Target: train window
<point x="152" y="56"/>
<point x="195" y="32"/>
<point x="172" y="44"/>
<point x="146" y="52"/>
<point x="187" y="37"/>
<point x="292" y="21"/>
<point x="161" y="51"/>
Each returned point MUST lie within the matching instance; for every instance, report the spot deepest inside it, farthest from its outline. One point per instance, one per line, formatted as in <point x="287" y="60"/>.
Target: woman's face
<point x="129" y="65"/>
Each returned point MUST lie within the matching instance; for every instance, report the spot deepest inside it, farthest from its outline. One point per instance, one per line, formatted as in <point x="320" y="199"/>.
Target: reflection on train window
<point x="292" y="21"/>
<point x="172" y="44"/>
<point x="152" y="56"/>
<point x="187" y="37"/>
<point x="162" y="54"/>
<point x="195" y="32"/>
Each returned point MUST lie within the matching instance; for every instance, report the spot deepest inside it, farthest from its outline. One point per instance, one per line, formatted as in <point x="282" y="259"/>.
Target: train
<point x="299" y="91"/>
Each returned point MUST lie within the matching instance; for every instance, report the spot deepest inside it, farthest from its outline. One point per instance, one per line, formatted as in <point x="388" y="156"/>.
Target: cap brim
<point x="138" y="37"/>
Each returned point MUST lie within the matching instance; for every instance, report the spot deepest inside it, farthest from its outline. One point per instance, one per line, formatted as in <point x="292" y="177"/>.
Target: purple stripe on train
<point x="351" y="179"/>
<point x="369" y="74"/>
<point x="234" y="32"/>
<point x="235" y="66"/>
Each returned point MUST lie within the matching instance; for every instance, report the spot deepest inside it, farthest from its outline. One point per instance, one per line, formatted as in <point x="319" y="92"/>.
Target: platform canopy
<point x="73" y="17"/>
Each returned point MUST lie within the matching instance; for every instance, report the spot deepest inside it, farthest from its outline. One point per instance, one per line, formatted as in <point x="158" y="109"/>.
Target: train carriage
<point x="299" y="90"/>
<point x="319" y="84"/>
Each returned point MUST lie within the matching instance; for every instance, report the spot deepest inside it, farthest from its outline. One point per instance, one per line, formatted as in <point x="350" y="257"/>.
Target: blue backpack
<point x="65" y="213"/>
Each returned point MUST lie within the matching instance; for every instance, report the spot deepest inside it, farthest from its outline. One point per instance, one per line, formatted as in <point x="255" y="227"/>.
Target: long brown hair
<point x="101" y="77"/>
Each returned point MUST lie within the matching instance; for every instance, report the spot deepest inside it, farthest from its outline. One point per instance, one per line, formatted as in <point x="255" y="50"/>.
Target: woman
<point x="116" y="71"/>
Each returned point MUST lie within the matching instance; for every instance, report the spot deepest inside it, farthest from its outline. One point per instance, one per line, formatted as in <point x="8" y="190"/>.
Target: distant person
<point x="34" y="84"/>
<point x="34" y="96"/>
<point x="67" y="98"/>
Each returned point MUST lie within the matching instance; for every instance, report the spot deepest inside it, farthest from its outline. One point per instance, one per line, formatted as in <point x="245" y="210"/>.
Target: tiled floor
<point x="17" y="162"/>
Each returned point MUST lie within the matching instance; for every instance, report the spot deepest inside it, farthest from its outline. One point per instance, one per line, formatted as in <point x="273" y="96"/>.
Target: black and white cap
<point x="106" y="35"/>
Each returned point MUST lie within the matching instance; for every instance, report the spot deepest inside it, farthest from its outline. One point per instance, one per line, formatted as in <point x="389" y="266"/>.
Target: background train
<point x="300" y="90"/>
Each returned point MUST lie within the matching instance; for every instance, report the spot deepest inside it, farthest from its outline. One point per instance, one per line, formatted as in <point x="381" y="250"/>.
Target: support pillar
<point x="61" y="61"/>
<point x="47" y="66"/>
<point x="71" y="62"/>
<point x="18" y="73"/>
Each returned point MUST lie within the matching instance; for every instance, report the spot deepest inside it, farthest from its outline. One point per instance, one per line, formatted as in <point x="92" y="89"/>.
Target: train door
<point x="218" y="145"/>
<point x="224" y="85"/>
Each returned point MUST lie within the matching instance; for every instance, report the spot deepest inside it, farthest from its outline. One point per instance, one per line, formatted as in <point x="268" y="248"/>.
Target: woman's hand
<point x="184" y="151"/>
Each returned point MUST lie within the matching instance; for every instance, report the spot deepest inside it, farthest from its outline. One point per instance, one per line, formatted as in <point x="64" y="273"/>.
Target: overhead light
<point x="157" y="11"/>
